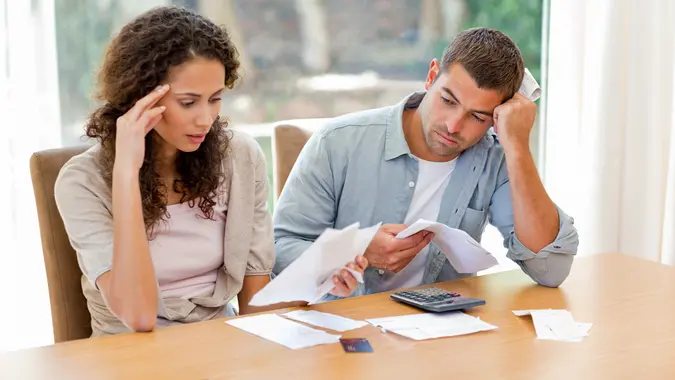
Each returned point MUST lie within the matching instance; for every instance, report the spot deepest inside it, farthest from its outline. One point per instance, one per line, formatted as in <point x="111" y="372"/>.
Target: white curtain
<point x="29" y="119"/>
<point x="609" y="143"/>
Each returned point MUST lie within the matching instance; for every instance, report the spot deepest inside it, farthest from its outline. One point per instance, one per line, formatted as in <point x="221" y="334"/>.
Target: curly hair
<point x="136" y="61"/>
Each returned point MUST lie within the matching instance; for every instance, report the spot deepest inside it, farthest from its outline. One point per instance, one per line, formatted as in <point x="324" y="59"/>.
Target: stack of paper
<point x="325" y="320"/>
<point x="430" y="326"/>
<point x="309" y="277"/>
<point x="556" y="325"/>
<point x="464" y="253"/>
<point x="279" y="330"/>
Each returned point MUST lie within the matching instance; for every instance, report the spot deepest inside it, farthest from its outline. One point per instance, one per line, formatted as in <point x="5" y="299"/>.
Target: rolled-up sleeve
<point x="306" y="206"/>
<point x="87" y="220"/>
<point x="552" y="264"/>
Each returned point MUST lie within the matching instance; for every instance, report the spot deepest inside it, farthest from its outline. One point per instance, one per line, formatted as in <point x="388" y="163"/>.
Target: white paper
<point x="572" y="332"/>
<point x="431" y="326"/>
<point x="582" y="330"/>
<point x="287" y="333"/>
<point x="325" y="320"/>
<point x="556" y="324"/>
<point x="464" y="253"/>
<point x="529" y="87"/>
<point x="309" y="277"/>
<point x="547" y="321"/>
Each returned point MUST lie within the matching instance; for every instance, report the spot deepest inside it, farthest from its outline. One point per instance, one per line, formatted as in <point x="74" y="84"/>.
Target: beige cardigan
<point x="85" y="203"/>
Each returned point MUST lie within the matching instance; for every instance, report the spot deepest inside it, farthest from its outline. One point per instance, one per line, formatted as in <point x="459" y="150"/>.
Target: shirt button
<point x="380" y="271"/>
<point x="411" y="184"/>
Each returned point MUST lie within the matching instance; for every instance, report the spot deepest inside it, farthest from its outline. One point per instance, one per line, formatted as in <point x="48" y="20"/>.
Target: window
<point x="304" y="58"/>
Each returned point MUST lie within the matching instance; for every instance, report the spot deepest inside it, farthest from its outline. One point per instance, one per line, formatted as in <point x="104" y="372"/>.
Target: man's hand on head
<point x="513" y="122"/>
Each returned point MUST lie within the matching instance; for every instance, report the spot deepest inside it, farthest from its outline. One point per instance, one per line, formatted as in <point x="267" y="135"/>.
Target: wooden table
<point x="631" y="303"/>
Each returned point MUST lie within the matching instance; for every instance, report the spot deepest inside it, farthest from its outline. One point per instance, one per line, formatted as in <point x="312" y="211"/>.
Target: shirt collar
<point x="395" y="144"/>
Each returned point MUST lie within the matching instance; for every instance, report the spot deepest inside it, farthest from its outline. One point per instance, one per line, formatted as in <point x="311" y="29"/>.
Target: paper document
<point x="529" y="86"/>
<point x="464" y="253"/>
<point x="309" y="277"/>
<point x="280" y="330"/>
<point x="556" y="325"/>
<point x="325" y="320"/>
<point x="431" y="326"/>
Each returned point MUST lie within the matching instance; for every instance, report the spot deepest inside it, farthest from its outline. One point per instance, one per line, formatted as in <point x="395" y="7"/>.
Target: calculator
<point x="436" y="300"/>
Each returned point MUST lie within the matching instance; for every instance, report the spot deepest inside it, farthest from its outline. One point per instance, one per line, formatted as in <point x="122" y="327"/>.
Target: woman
<point x="146" y="208"/>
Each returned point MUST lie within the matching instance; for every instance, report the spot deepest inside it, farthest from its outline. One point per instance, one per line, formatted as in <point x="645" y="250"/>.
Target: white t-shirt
<point x="432" y="181"/>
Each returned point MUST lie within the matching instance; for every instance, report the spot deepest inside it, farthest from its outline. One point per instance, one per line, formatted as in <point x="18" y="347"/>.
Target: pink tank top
<point x="187" y="251"/>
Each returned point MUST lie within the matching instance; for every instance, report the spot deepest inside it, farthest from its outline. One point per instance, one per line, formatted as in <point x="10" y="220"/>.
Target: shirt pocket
<point x="473" y="222"/>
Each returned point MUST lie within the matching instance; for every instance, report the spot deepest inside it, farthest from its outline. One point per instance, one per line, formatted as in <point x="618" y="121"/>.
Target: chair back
<point x="288" y="141"/>
<point x="70" y="317"/>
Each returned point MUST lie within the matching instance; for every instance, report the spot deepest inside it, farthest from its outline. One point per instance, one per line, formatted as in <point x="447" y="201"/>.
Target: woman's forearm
<point x="130" y="287"/>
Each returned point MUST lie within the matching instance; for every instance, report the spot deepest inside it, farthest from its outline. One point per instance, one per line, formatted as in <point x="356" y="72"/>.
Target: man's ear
<point x="434" y="70"/>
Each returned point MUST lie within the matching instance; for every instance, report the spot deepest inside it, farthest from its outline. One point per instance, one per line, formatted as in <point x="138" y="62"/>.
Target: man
<point x="457" y="153"/>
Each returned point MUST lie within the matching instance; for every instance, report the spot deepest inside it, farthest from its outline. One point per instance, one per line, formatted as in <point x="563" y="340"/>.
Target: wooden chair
<point x="70" y="316"/>
<point x="287" y="142"/>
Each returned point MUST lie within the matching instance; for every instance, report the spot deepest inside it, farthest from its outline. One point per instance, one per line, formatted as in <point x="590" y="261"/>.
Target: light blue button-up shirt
<point x="358" y="168"/>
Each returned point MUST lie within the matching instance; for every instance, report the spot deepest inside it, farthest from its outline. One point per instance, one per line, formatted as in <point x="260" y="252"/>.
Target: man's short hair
<point x="491" y="58"/>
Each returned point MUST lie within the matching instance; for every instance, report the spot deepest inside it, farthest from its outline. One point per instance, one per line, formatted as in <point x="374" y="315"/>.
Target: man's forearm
<point x="535" y="217"/>
<point x="287" y="249"/>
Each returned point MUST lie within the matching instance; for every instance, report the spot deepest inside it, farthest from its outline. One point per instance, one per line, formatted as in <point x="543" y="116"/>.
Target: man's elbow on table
<point x="557" y="268"/>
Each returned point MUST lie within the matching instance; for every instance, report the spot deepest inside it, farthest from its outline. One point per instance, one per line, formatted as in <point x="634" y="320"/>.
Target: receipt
<point x="464" y="253"/>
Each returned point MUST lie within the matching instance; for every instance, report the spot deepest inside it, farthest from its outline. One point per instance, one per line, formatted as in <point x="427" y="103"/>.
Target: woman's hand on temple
<point x="133" y="126"/>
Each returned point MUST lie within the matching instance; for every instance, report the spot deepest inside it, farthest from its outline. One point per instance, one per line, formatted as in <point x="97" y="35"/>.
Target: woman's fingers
<point x="151" y="117"/>
<point x="362" y="262"/>
<point x="340" y="289"/>
<point x="146" y="102"/>
<point x="349" y="280"/>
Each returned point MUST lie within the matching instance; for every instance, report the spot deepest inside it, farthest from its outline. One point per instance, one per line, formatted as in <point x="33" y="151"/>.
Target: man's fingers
<point x="401" y="251"/>
<point x="408" y="255"/>
<point x="428" y="237"/>
<point x="147" y="101"/>
<point x="409" y="242"/>
<point x="518" y="97"/>
<point x="393" y="229"/>
<point x="426" y="240"/>
<point x="417" y="238"/>
<point x="401" y="264"/>
<point x="414" y="250"/>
